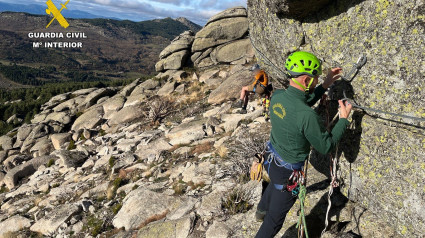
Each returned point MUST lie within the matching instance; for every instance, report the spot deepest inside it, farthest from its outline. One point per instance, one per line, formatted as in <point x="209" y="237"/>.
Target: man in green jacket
<point x="295" y="127"/>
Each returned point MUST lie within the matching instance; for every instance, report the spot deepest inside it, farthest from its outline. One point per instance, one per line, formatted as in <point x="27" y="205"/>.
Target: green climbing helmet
<point x="303" y="63"/>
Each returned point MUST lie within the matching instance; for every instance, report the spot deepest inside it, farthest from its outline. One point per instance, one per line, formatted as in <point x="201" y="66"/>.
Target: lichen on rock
<point x="381" y="169"/>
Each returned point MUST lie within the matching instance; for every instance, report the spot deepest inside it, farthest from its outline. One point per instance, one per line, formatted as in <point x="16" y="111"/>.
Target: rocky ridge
<point x="223" y="40"/>
<point x="165" y="157"/>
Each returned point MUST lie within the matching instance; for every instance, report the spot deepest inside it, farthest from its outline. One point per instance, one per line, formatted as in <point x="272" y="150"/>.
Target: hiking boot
<point x="243" y="111"/>
<point x="238" y="104"/>
<point x="259" y="215"/>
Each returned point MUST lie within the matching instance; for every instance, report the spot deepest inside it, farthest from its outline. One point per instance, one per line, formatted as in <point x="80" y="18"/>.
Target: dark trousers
<point x="277" y="203"/>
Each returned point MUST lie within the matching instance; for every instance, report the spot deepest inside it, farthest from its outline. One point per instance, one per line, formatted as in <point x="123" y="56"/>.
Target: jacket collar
<point x="296" y="93"/>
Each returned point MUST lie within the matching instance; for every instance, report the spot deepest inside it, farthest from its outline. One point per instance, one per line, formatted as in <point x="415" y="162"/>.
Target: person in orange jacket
<point x="259" y="86"/>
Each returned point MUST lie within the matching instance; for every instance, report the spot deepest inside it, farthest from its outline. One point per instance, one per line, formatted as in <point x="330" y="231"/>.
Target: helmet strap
<point x="306" y="89"/>
<point x="299" y="84"/>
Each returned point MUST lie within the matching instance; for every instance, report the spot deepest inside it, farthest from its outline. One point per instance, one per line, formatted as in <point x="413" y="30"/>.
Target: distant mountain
<point x="112" y="48"/>
<point x="41" y="10"/>
<point x="193" y="26"/>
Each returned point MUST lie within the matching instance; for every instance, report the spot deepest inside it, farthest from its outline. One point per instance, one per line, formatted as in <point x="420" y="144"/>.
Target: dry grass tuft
<point x="122" y="174"/>
<point x="223" y="152"/>
<point x="202" y="148"/>
<point x="236" y="202"/>
<point x="153" y="218"/>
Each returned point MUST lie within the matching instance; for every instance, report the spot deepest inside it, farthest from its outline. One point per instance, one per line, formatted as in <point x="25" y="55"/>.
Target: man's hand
<point x="331" y="77"/>
<point x="344" y="109"/>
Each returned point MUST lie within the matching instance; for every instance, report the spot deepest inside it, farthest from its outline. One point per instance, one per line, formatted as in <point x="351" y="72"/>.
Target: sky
<point x="198" y="11"/>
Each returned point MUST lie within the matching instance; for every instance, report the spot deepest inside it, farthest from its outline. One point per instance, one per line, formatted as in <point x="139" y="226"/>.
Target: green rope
<point x="301" y="220"/>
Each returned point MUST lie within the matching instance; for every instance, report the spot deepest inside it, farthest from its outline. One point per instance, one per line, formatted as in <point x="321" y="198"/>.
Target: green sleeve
<point x="316" y="95"/>
<point x="319" y="137"/>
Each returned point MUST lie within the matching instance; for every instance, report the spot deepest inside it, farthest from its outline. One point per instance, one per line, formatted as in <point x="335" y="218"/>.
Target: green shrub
<point x="102" y="132"/>
<point x="78" y="114"/>
<point x="93" y="225"/>
<point x="72" y="145"/>
<point x="117" y="182"/>
<point x="50" y="163"/>
<point x="116" y="208"/>
<point x="100" y="198"/>
<point x="111" y="162"/>
<point x="4" y="189"/>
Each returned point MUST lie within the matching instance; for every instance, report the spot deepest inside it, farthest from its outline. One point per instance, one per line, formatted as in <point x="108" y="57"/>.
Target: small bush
<point x="246" y="146"/>
<point x="13" y="134"/>
<point x="100" y="198"/>
<point x="78" y="114"/>
<point x="113" y="187"/>
<point x="159" y="109"/>
<point x="179" y="189"/>
<point x="117" y="182"/>
<point x="72" y="145"/>
<point x="4" y="189"/>
<point x="111" y="162"/>
<point x="116" y="208"/>
<point x="94" y="225"/>
<point x="236" y="202"/>
<point x="102" y="132"/>
<point x="50" y="163"/>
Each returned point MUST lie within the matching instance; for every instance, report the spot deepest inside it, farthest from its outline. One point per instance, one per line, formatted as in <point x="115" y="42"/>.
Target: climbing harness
<point x="295" y="184"/>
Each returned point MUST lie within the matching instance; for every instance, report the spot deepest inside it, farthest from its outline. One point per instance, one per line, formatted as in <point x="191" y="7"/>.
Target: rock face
<point x="229" y="13"/>
<point x="48" y="225"/>
<point x="140" y="205"/>
<point x="186" y="133"/>
<point x="222" y="41"/>
<point x="13" y="224"/>
<point x="220" y="32"/>
<point x="174" y="56"/>
<point x="173" y="62"/>
<point x="175" y="228"/>
<point x="12" y="177"/>
<point x="231" y="87"/>
<point x="89" y="119"/>
<point x="233" y="51"/>
<point x="376" y="153"/>
<point x="182" y="42"/>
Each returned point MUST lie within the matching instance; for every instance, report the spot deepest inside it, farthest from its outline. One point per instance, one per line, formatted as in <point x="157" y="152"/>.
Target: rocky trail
<point x="165" y="157"/>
